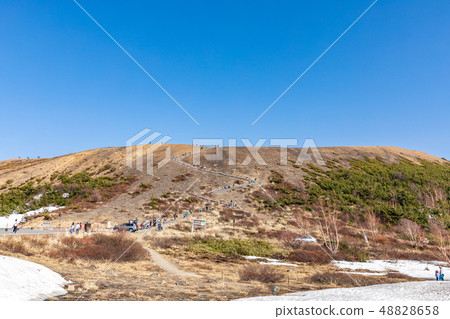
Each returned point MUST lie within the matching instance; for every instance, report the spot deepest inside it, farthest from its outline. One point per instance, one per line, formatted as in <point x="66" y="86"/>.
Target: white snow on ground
<point x="22" y="280"/>
<point x="413" y="268"/>
<point x="423" y="290"/>
<point x="269" y="261"/>
<point x="8" y="221"/>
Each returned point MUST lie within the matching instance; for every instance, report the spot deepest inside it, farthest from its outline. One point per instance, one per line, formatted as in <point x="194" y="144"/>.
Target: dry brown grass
<point x="100" y="247"/>
<point x="168" y="242"/>
<point x="341" y="279"/>
<point x="14" y="246"/>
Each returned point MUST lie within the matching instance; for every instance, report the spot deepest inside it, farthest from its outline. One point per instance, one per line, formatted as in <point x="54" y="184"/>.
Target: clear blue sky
<point x="66" y="87"/>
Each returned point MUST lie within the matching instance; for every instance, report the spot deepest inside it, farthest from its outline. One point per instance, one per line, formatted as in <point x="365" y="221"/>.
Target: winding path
<point x="168" y="266"/>
<point x="224" y="189"/>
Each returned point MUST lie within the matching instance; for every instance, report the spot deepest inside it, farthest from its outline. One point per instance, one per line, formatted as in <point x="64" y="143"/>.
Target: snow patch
<point x="423" y="290"/>
<point x="22" y="280"/>
<point x="413" y="268"/>
<point x="8" y="221"/>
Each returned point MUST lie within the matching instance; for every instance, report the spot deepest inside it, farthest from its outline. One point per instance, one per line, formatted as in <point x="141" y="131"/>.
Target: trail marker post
<point x="198" y="223"/>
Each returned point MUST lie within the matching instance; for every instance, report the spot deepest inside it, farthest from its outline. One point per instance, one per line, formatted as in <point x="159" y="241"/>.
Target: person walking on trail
<point x="436" y="274"/>
<point x="159" y="225"/>
<point x="441" y="274"/>
<point x="15" y="227"/>
<point x="77" y="228"/>
<point x="72" y="229"/>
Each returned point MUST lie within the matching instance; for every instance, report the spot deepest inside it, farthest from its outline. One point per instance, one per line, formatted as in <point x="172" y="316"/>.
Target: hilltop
<point x="102" y="187"/>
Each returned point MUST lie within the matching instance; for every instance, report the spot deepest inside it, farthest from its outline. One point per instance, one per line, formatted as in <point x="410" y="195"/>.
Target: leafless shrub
<point x="310" y="253"/>
<point x="300" y="219"/>
<point x="373" y="224"/>
<point x="262" y="273"/>
<point x="412" y="231"/>
<point x="14" y="246"/>
<point x="288" y="239"/>
<point x="329" y="229"/>
<point x="100" y="247"/>
<point x="441" y="238"/>
<point x="433" y="195"/>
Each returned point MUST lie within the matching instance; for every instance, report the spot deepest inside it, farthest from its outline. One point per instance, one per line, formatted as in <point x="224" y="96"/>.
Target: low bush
<point x="398" y="275"/>
<point x="100" y="247"/>
<point x="14" y="246"/>
<point x="181" y="178"/>
<point x="310" y="254"/>
<point x="235" y="247"/>
<point x="352" y="252"/>
<point x="262" y="273"/>
<point x="344" y="279"/>
<point x="168" y="242"/>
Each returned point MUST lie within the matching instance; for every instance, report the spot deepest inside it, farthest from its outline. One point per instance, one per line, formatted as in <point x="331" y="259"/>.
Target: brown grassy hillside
<point x="398" y="198"/>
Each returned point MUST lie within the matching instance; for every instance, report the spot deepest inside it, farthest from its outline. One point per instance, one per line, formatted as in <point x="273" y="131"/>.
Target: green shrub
<point x="235" y="247"/>
<point x="393" y="191"/>
<point x="79" y="186"/>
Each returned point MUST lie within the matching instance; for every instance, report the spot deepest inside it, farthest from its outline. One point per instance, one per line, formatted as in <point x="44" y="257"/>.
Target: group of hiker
<point x="232" y="204"/>
<point x="76" y="228"/>
<point x="439" y="274"/>
<point x="149" y="223"/>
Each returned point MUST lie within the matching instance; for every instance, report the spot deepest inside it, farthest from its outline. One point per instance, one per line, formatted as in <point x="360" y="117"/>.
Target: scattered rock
<point x="155" y="274"/>
<point x="70" y="288"/>
<point x="180" y="283"/>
